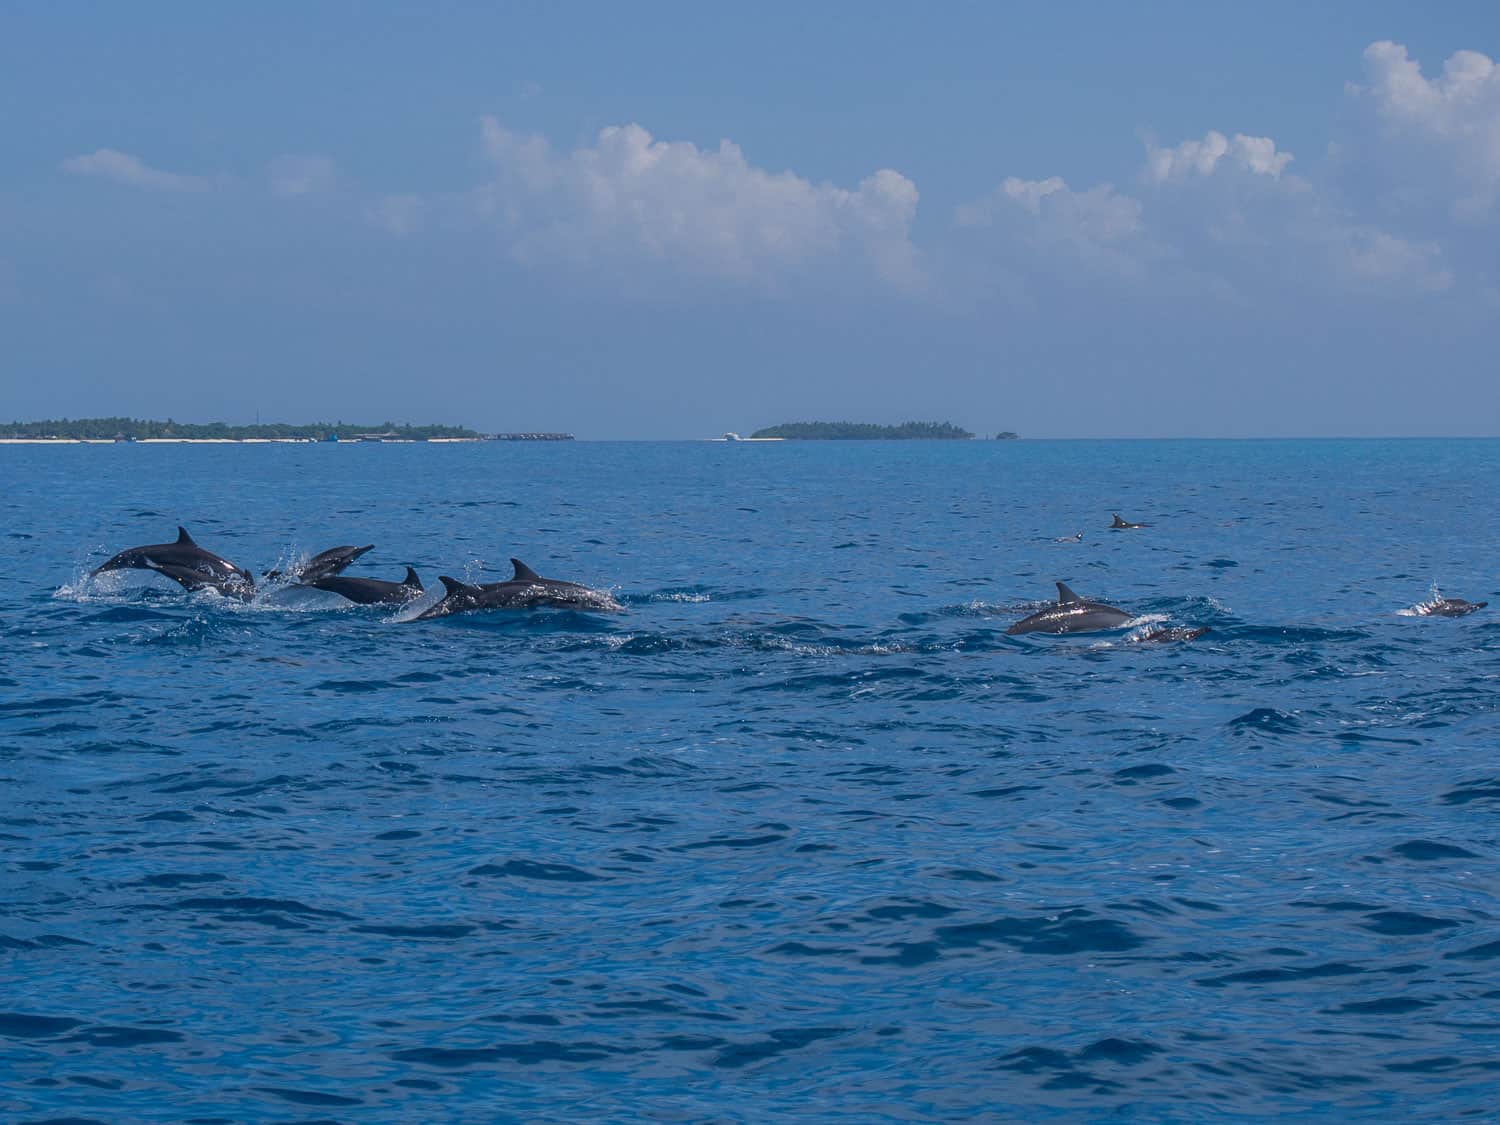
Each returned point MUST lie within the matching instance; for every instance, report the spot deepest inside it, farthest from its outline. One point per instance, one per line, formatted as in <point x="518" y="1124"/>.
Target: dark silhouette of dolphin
<point x="526" y="590"/>
<point x="1125" y="525"/>
<point x="183" y="555"/>
<point x="1071" y="614"/>
<point x="235" y="586"/>
<point x="370" y="591"/>
<point x="1447" y="607"/>
<point x="324" y="564"/>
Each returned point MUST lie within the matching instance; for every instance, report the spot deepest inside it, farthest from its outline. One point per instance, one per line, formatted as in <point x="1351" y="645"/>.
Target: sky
<point x="667" y="220"/>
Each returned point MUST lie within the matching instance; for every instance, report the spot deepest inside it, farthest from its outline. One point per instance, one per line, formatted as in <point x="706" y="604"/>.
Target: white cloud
<point x="1453" y="122"/>
<point x="1257" y="155"/>
<point x="1383" y="260"/>
<point x="126" y="169"/>
<point x="630" y="200"/>
<point x="300" y="175"/>
<point x="1044" y="227"/>
<point x="400" y="215"/>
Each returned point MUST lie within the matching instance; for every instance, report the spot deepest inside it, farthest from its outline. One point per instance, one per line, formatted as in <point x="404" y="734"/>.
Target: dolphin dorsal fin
<point x="411" y="579"/>
<point x="1065" y="595"/>
<point x="453" y="586"/>
<point x="184" y="539"/>
<point x="524" y="573"/>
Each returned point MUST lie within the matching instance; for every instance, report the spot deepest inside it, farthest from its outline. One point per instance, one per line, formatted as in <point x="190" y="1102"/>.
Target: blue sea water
<point x="801" y="834"/>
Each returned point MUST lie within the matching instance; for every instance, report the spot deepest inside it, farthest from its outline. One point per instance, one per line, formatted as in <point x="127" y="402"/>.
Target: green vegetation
<point x="864" y="431"/>
<point x="108" y="428"/>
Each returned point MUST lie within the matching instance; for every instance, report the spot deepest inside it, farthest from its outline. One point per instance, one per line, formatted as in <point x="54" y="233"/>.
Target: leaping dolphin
<point x="183" y="555"/>
<point x="1125" y="525"/>
<point x="324" y="564"/>
<point x="371" y="591"/>
<point x="526" y="590"/>
<point x="1071" y="614"/>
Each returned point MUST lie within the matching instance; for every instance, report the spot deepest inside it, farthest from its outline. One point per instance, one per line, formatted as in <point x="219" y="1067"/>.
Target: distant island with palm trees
<point x="866" y="431"/>
<point x="133" y="429"/>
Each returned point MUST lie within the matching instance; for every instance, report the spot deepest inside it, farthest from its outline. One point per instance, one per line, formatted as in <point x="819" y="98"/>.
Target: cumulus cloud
<point x="1046" y="226"/>
<point x="1381" y="259"/>
<point x="1257" y="155"/>
<point x="123" y="168"/>
<point x="1097" y="215"/>
<point x="1453" y="120"/>
<point x="300" y="175"/>
<point x="400" y="215"/>
<point x="631" y="200"/>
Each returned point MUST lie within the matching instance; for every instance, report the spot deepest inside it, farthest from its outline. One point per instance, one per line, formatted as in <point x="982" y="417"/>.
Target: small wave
<point x="689" y="594"/>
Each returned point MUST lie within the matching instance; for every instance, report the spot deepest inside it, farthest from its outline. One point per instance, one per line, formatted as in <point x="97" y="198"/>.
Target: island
<point x="132" y="429"/>
<point x="864" y="431"/>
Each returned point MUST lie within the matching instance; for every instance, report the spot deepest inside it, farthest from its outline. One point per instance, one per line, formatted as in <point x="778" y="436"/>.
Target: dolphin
<point x="183" y="555"/>
<point x="324" y="564"/>
<point x="1071" y="614"/>
<point x="235" y="586"/>
<point x="526" y="590"/>
<point x="370" y="591"/>
<point x="1446" y="607"/>
<point x="1125" y="525"/>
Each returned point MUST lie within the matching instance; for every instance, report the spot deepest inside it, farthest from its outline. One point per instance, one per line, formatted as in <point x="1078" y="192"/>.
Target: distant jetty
<point x="110" y="430"/>
<point x="865" y="431"/>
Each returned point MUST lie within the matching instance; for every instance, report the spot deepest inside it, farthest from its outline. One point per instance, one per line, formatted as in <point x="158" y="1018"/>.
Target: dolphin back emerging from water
<point x="1446" y="607"/>
<point x="1071" y="614"/>
<point x="371" y="591"/>
<point x="183" y="561"/>
<point x="526" y="590"/>
<point x="1125" y="525"/>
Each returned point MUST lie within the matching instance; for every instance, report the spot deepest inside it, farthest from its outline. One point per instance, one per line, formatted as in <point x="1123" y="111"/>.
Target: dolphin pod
<point x="195" y="568"/>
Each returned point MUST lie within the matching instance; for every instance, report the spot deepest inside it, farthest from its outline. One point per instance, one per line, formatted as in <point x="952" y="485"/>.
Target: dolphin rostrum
<point x="1071" y="614"/>
<point x="526" y="590"/>
<point x="1125" y="525"/>
<point x="183" y="555"/>
<point x="324" y="564"/>
<point x="371" y="591"/>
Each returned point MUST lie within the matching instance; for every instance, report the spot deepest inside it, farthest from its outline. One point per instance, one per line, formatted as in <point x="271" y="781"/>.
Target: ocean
<point x="801" y="834"/>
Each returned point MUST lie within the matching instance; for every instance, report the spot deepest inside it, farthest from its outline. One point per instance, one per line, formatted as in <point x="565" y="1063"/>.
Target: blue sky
<point x="669" y="220"/>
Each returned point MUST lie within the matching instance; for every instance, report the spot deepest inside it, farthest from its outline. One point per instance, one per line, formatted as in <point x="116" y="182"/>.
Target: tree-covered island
<point x="865" y="431"/>
<point x="132" y="429"/>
